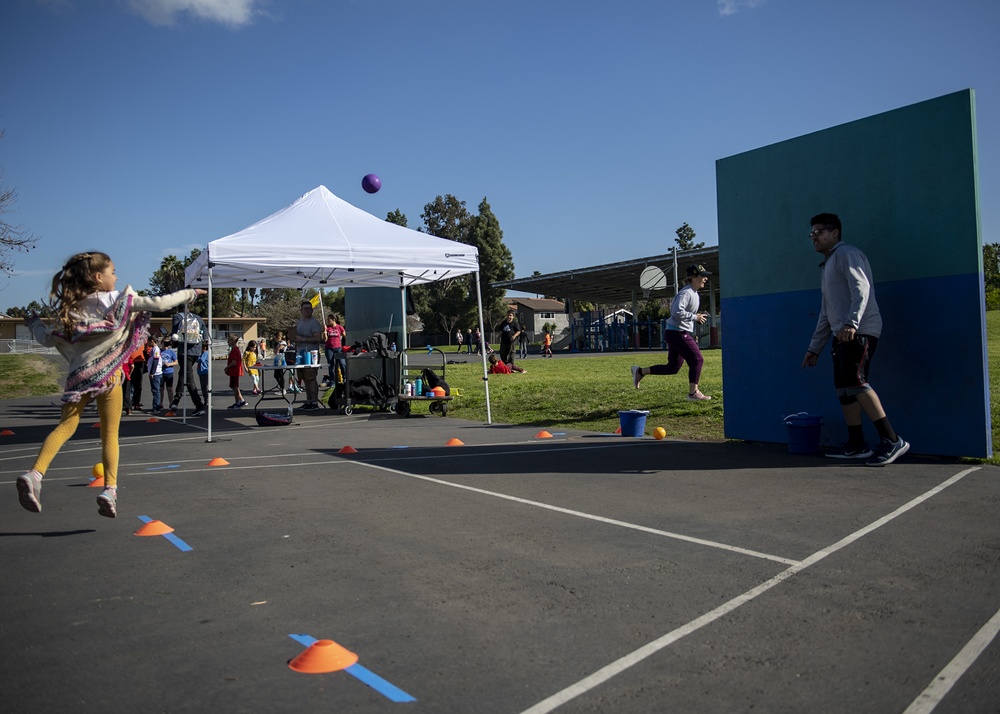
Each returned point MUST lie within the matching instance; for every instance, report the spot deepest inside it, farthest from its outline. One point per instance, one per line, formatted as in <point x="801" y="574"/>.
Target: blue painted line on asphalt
<point x="169" y="536"/>
<point x="160" y="468"/>
<point x="386" y="689"/>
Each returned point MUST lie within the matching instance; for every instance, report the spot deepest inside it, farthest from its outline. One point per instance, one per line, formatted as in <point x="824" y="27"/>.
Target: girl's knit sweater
<point x="109" y="327"/>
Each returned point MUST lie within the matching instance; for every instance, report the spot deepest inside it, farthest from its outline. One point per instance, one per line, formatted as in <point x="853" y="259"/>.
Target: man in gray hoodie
<point x="850" y="314"/>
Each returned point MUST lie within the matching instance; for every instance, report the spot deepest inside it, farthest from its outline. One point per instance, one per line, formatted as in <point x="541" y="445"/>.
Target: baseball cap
<point x="697" y="269"/>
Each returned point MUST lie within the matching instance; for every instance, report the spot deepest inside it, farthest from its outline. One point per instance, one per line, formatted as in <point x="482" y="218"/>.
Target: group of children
<point x="103" y="334"/>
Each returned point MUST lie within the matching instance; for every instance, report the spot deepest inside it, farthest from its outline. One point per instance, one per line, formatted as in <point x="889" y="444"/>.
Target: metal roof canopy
<point x="617" y="283"/>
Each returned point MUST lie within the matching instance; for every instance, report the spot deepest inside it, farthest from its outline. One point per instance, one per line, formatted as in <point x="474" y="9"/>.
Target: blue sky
<point x="149" y="127"/>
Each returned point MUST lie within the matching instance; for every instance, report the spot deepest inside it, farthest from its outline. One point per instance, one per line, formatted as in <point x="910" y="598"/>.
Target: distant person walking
<point x="680" y="335"/>
<point x="458" y="339"/>
<point x="850" y="314"/>
<point x="97" y="328"/>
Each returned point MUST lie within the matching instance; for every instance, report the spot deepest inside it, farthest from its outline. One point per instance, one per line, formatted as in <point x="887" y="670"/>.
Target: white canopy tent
<point x="321" y="241"/>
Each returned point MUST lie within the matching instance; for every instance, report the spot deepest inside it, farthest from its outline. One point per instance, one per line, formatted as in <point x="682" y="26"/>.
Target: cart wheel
<point x="435" y="407"/>
<point x="444" y="409"/>
<point x="348" y="410"/>
<point x="403" y="409"/>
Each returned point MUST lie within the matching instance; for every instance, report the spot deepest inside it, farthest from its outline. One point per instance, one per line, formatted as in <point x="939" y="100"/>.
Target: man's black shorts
<point x="851" y="361"/>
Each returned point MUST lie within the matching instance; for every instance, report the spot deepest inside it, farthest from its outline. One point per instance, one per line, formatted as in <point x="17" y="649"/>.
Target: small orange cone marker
<point x="218" y="461"/>
<point x="169" y="414"/>
<point x="348" y="450"/>
<point x="152" y="420"/>
<point x="543" y="434"/>
<point x="96" y="483"/>
<point x="323" y="656"/>
<point x="96" y="425"/>
<point x="618" y="430"/>
<point x="154" y="528"/>
<point x="455" y="442"/>
<point x="6" y="432"/>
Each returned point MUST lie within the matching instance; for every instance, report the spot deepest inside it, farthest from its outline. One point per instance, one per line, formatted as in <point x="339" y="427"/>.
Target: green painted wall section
<point x="903" y="183"/>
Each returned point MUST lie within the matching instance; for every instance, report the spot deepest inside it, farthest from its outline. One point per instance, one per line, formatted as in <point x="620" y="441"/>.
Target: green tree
<point x="991" y="273"/>
<point x="169" y="277"/>
<point x="13" y="238"/>
<point x="444" y="304"/>
<point x="495" y="260"/>
<point x="397" y="217"/>
<point x="685" y="238"/>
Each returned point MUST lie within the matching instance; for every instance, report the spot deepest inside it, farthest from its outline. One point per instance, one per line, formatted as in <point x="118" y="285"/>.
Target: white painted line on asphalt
<point x="620" y="665"/>
<point x="589" y="516"/>
<point x="953" y="671"/>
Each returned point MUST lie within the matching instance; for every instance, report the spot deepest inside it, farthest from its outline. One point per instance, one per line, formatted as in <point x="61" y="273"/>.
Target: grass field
<point x="583" y="393"/>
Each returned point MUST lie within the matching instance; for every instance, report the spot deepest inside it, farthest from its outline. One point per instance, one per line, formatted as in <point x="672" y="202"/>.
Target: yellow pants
<point x="109" y="407"/>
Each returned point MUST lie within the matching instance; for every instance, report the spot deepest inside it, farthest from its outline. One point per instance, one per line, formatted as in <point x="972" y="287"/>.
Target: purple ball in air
<point x="371" y="183"/>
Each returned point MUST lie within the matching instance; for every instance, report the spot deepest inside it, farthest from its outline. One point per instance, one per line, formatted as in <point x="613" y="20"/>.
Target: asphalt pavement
<point x="489" y="568"/>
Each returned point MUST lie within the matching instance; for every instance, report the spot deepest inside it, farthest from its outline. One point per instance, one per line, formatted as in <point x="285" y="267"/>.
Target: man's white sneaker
<point x="698" y="397"/>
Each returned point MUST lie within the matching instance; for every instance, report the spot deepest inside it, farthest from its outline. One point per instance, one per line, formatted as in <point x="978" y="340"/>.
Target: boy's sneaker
<point x="851" y="451"/>
<point x="699" y="397"/>
<point x="200" y="412"/>
<point x="888" y="451"/>
<point x="29" y="491"/>
<point x="107" y="503"/>
<point x="636" y="376"/>
<point x="242" y="404"/>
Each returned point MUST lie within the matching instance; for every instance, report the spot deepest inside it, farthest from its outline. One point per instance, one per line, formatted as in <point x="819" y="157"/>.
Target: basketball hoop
<point x="652" y="278"/>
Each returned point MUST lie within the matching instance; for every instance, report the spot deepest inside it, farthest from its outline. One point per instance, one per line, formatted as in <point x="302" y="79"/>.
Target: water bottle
<point x="419" y="389"/>
<point x="393" y="346"/>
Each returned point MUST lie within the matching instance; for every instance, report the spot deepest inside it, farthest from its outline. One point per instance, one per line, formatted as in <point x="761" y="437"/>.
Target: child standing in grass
<point x="234" y="369"/>
<point x="97" y="328"/>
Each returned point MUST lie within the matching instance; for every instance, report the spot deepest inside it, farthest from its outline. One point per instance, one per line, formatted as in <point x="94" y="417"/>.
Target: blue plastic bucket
<point x="803" y="433"/>
<point x="633" y="422"/>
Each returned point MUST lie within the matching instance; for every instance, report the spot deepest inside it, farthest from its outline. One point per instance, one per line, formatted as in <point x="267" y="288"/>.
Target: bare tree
<point x="13" y="238"/>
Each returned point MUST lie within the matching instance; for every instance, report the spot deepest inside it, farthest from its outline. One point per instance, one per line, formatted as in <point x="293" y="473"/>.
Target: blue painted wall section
<point x="904" y="184"/>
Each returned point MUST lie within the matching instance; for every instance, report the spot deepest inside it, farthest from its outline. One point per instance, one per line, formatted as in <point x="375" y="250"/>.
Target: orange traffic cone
<point x="154" y="528"/>
<point x="348" y="450"/>
<point x="455" y="442"/>
<point x="152" y="420"/>
<point x="96" y="483"/>
<point x="96" y="425"/>
<point x="618" y="430"/>
<point x="218" y="461"/>
<point x="543" y="435"/>
<point x="169" y="414"/>
<point x="323" y="656"/>
<point x="6" y="432"/>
